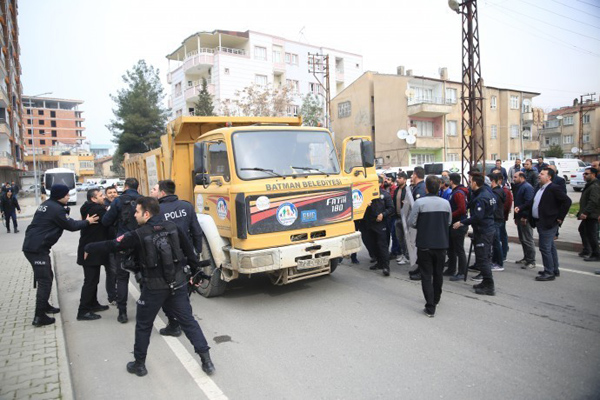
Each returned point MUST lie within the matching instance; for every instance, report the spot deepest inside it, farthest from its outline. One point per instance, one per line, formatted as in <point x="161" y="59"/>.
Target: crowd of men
<point x="155" y="237"/>
<point x="427" y="223"/>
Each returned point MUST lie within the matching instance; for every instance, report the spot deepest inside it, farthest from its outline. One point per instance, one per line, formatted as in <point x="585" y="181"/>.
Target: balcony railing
<point x="195" y="90"/>
<point x="431" y="100"/>
<point x="6" y="159"/>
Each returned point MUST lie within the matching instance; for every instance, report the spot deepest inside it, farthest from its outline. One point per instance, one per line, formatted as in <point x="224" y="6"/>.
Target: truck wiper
<point x="262" y="170"/>
<point x="311" y="169"/>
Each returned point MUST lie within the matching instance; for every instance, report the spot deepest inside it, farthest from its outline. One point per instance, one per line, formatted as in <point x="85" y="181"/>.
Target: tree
<point x="204" y="106"/>
<point x="140" y="116"/>
<point x="311" y="110"/>
<point x="263" y="101"/>
<point x="554" y="151"/>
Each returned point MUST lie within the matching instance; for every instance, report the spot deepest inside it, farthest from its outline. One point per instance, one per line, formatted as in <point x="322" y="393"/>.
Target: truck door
<point x="358" y="164"/>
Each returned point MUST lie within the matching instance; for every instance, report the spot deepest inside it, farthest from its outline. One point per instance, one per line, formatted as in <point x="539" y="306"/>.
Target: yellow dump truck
<point x="271" y="196"/>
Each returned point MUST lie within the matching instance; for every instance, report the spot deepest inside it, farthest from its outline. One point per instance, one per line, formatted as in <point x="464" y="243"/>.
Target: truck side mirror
<point x="202" y="179"/>
<point x="367" y="154"/>
<point x="199" y="165"/>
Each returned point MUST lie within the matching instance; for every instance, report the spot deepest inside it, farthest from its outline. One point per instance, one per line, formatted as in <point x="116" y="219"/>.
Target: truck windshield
<point x="262" y="154"/>
<point x="65" y="178"/>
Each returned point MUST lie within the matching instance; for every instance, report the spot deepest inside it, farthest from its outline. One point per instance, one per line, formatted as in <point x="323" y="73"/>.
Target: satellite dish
<point x="412" y="131"/>
<point x="402" y="134"/>
<point x="411" y="139"/>
<point x="574" y="150"/>
<point x="409" y="93"/>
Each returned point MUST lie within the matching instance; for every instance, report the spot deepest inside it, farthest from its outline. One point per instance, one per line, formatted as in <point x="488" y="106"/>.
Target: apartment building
<point x="231" y="61"/>
<point x="565" y="126"/>
<point x="380" y="105"/>
<point x="11" y="88"/>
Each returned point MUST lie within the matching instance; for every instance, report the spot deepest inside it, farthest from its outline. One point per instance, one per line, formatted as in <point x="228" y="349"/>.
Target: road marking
<point x="189" y="362"/>
<point x="579" y="272"/>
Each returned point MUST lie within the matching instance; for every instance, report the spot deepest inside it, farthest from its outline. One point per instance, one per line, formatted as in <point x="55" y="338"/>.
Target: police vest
<point x="162" y="260"/>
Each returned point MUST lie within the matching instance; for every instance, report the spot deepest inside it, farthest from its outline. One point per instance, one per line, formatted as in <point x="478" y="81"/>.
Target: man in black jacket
<point x="9" y="208"/>
<point x="376" y="235"/>
<point x="589" y="211"/>
<point x="431" y="216"/>
<point x="497" y="253"/>
<point x="88" y="303"/>
<point x="164" y="281"/>
<point x="47" y="226"/>
<point x="549" y="208"/>
<point x="531" y="174"/>
<point x="120" y="213"/>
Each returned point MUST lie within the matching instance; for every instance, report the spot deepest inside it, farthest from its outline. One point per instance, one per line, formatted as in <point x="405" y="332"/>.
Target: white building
<point x="231" y="61"/>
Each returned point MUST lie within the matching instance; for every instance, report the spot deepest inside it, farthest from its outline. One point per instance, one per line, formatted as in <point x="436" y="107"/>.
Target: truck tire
<point x="333" y="264"/>
<point x="216" y="286"/>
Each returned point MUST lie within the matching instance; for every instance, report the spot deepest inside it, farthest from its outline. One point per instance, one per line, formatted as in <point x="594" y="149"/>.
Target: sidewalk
<point x="568" y="238"/>
<point x="33" y="361"/>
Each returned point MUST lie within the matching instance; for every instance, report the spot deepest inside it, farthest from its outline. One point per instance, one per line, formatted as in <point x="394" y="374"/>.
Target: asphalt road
<point x="353" y="335"/>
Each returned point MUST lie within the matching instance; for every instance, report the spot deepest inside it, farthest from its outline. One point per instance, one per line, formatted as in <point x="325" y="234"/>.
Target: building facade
<point x="231" y="61"/>
<point x="11" y="89"/>
<point x="565" y="127"/>
<point x="380" y="105"/>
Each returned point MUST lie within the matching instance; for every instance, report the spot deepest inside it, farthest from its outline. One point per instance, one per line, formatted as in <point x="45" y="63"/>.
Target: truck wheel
<point x="333" y="264"/>
<point x="577" y="189"/>
<point x="216" y="286"/>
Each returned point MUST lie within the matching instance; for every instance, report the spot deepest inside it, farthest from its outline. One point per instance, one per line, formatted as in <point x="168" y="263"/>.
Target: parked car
<point x="31" y="189"/>
<point x="120" y="185"/>
<point x="566" y="166"/>
<point x="577" y="181"/>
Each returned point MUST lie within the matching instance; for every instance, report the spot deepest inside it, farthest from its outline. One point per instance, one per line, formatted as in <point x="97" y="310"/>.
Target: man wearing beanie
<point x="49" y="222"/>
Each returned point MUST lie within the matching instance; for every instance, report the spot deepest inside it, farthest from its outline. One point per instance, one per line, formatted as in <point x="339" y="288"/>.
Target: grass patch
<point x="574" y="209"/>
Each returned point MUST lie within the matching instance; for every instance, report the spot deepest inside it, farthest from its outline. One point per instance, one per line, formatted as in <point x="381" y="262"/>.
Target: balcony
<point x="4" y="127"/>
<point x="556" y="130"/>
<point x="339" y="75"/>
<point x="428" y="107"/>
<point x="6" y="159"/>
<point x="278" y="68"/>
<point x="191" y="93"/>
<point x="195" y="60"/>
<point x="427" y="142"/>
<point x="527" y="116"/>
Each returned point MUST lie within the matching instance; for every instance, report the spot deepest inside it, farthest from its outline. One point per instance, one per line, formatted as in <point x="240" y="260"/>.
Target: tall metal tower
<point x="318" y="64"/>
<point x="473" y="127"/>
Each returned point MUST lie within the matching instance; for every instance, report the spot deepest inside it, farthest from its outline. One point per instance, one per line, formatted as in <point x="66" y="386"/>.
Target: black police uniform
<point x="110" y="268"/>
<point x="49" y="222"/>
<point x="182" y="213"/>
<point x="113" y="217"/>
<point x="375" y="234"/>
<point x="162" y="286"/>
<point x="481" y="216"/>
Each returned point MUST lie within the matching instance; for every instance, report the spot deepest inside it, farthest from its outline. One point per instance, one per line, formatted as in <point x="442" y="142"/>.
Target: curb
<point x="560" y="244"/>
<point x="64" y="371"/>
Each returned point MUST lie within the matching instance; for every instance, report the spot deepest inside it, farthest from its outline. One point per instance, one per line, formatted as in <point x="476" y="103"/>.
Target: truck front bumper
<point x="307" y="253"/>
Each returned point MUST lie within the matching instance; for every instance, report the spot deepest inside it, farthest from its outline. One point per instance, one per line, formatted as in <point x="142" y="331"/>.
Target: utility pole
<point x="319" y="64"/>
<point x="582" y="110"/>
<point x="473" y="127"/>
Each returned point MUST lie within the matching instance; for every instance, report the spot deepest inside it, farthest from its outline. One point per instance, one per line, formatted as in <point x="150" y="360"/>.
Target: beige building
<point x="104" y="167"/>
<point x="380" y="105"/>
<point x="79" y="161"/>
<point x="564" y="126"/>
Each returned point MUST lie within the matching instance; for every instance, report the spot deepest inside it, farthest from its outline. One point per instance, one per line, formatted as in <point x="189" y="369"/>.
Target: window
<point x="494" y="156"/>
<point x="586" y="119"/>
<point x="526" y="134"/>
<point x="450" y="96"/>
<point x="53" y="124"/>
<point x="226" y="71"/>
<point x="178" y="89"/>
<point x="53" y="133"/>
<point x="86" y="164"/>
<point x="568" y="120"/>
<point x="314" y="88"/>
<point x="42" y="142"/>
<point x="29" y="111"/>
<point x="526" y="106"/>
<point x="568" y="139"/>
<point x="42" y="132"/>
<point x="452" y="157"/>
<point x="54" y="142"/>
<point x="352" y="157"/>
<point x="293" y="110"/>
<point x="260" y="53"/>
<point x="40" y="112"/>
<point x="451" y="128"/>
<point x="52" y="114"/>
<point x="494" y="131"/>
<point x="420" y="159"/>
<point x="586" y="138"/>
<point x="514" y="102"/>
<point x="295" y="59"/>
<point x="295" y="85"/>
<point x="260" y="80"/>
<point x="30" y="141"/>
<point x="493" y="102"/>
<point x="424" y="128"/>
<point x="514" y="131"/>
<point x="28" y="122"/>
<point x="344" y="109"/>
<point x="553" y="123"/>
<point x="423" y="94"/>
<point x="291" y="58"/>
<point x="547" y="140"/>
<point x="513" y="156"/>
<point x="218" y="163"/>
<point x="277" y="54"/>
<point x="42" y="122"/>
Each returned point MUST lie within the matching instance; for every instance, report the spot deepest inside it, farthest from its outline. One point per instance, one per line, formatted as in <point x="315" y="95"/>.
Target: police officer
<point x="481" y="208"/>
<point x="121" y="212"/>
<point x="376" y="234"/>
<point x="182" y="213"/>
<point x="162" y="249"/>
<point x="110" y="268"/>
<point x="49" y="221"/>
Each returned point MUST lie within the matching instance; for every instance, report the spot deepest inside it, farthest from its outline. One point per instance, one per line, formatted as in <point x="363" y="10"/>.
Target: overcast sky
<point x="80" y="49"/>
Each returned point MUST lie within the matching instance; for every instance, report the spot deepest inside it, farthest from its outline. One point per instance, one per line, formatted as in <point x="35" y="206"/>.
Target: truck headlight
<point x="256" y="261"/>
<point x="351" y="243"/>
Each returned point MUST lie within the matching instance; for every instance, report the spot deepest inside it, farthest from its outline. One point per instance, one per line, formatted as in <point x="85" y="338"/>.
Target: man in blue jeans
<point x="549" y="208"/>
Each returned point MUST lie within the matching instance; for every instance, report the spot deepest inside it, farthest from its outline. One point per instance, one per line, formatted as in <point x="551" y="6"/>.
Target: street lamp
<point x="35" y="177"/>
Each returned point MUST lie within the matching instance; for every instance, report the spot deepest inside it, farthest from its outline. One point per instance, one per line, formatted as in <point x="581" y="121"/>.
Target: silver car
<point x="577" y="181"/>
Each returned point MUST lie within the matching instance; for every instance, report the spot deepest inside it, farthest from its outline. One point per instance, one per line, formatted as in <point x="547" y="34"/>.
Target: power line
<point x="560" y="15"/>
<point x="547" y="23"/>
<point x="553" y="40"/>
<point x="589" y="4"/>
<point x="577" y="9"/>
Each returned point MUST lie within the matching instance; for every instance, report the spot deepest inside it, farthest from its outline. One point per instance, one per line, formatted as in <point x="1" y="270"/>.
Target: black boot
<point x="386" y="271"/>
<point x="137" y="367"/>
<point x="42" y="319"/>
<point x="207" y="365"/>
<point x="172" y="329"/>
<point x="52" y="310"/>
<point x="122" y="318"/>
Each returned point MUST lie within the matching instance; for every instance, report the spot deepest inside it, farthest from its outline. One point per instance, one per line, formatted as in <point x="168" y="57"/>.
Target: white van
<point x="566" y="166"/>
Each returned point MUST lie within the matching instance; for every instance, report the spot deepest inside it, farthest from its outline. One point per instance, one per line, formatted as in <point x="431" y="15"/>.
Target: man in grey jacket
<point x="431" y="216"/>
